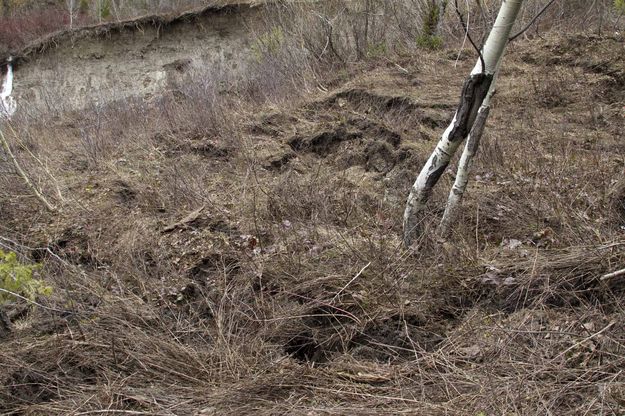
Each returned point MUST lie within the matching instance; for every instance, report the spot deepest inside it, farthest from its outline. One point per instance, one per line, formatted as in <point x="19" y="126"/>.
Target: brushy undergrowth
<point x="246" y="258"/>
<point x="17" y="278"/>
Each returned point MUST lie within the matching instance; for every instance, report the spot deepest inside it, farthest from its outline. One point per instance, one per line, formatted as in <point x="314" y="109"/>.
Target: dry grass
<point x="246" y="259"/>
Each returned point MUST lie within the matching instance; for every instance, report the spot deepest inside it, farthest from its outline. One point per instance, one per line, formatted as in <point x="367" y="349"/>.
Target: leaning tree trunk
<point x="474" y="93"/>
<point x="7" y="149"/>
<point x="454" y="199"/>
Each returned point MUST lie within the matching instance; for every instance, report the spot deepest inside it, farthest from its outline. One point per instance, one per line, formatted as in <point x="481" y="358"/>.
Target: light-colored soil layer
<point x="141" y="58"/>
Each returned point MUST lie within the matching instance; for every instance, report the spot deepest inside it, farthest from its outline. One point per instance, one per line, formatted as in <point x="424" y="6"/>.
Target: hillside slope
<point x="247" y="259"/>
<point x="135" y="59"/>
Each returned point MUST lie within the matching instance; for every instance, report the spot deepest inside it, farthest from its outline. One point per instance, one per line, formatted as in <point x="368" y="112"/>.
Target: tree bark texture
<point x="474" y="93"/>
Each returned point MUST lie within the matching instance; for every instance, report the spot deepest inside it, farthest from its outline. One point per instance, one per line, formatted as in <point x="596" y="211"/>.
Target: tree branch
<point x="466" y="31"/>
<point x="543" y="10"/>
<point x="20" y="171"/>
<point x="17" y="295"/>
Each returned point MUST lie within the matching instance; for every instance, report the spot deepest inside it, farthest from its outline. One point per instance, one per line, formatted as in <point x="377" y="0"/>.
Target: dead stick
<point x="7" y="149"/>
<point x="350" y="282"/>
<point x="613" y="274"/>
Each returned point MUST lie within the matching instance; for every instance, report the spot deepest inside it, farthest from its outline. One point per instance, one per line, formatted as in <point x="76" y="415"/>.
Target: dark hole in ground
<point x="214" y="264"/>
<point x="323" y="143"/>
<point x="124" y="193"/>
<point x="304" y="348"/>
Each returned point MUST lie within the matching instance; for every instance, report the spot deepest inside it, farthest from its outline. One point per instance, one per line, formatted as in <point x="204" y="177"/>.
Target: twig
<point x="401" y="68"/>
<point x="343" y="392"/>
<point x="47" y="249"/>
<point x="20" y="171"/>
<point x="350" y="282"/>
<point x="466" y="32"/>
<point x="121" y="412"/>
<point x="45" y="168"/>
<point x="613" y="274"/>
<point x="31" y="301"/>
<point x="543" y="10"/>
<point x="572" y="347"/>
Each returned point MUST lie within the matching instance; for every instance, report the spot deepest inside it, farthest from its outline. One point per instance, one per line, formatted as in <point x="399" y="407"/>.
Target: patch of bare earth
<point x="257" y="268"/>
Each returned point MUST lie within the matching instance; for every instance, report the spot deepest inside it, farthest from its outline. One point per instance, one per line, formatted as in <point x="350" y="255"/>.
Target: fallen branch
<point x="18" y="168"/>
<point x="32" y="302"/>
<point x="613" y="275"/>
<point x="351" y="281"/>
<point x="185" y="221"/>
<point x="572" y="347"/>
<point x="40" y="163"/>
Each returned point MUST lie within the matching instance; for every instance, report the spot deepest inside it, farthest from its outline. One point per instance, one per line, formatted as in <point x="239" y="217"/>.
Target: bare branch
<point x="613" y="275"/>
<point x="543" y="10"/>
<point x="24" y="176"/>
<point x="17" y="295"/>
<point x="466" y="31"/>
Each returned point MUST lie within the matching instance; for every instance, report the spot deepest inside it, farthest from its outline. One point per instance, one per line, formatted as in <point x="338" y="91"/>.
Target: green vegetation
<point x="84" y="6"/>
<point x="431" y="20"/>
<point x="429" y="38"/>
<point x="376" y="50"/>
<point x="18" y="278"/>
<point x="105" y="9"/>
<point x="619" y="5"/>
<point x="228" y="238"/>
<point x="431" y="42"/>
<point x="269" y="43"/>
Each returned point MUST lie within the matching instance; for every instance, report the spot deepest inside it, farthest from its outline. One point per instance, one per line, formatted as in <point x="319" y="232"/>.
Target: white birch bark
<point x="70" y="10"/>
<point x="7" y="103"/>
<point x="462" y="174"/>
<point x="475" y="91"/>
<point x="7" y="109"/>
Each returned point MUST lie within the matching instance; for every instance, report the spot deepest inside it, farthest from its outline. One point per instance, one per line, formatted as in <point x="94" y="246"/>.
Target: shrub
<point x="105" y="9"/>
<point x="83" y="6"/>
<point x="269" y="43"/>
<point x="19" y="29"/>
<point x="376" y="50"/>
<point x="431" y="42"/>
<point x="431" y="20"/>
<point x="18" y="278"/>
<point x="619" y="5"/>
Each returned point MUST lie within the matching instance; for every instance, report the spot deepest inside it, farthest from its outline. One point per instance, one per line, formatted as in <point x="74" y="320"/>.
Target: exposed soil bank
<point x="139" y="58"/>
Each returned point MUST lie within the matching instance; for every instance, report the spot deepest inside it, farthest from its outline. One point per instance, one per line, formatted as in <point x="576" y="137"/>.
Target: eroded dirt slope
<point x="139" y="59"/>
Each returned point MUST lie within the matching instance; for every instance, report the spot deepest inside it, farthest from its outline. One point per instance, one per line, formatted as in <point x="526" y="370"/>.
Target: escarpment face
<point x="73" y="73"/>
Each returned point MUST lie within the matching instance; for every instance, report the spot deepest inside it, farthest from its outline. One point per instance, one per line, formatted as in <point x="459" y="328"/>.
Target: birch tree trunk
<point x="462" y="175"/>
<point x="454" y="200"/>
<point x="70" y="10"/>
<point x="474" y="93"/>
<point x="7" y="109"/>
<point x="7" y="103"/>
